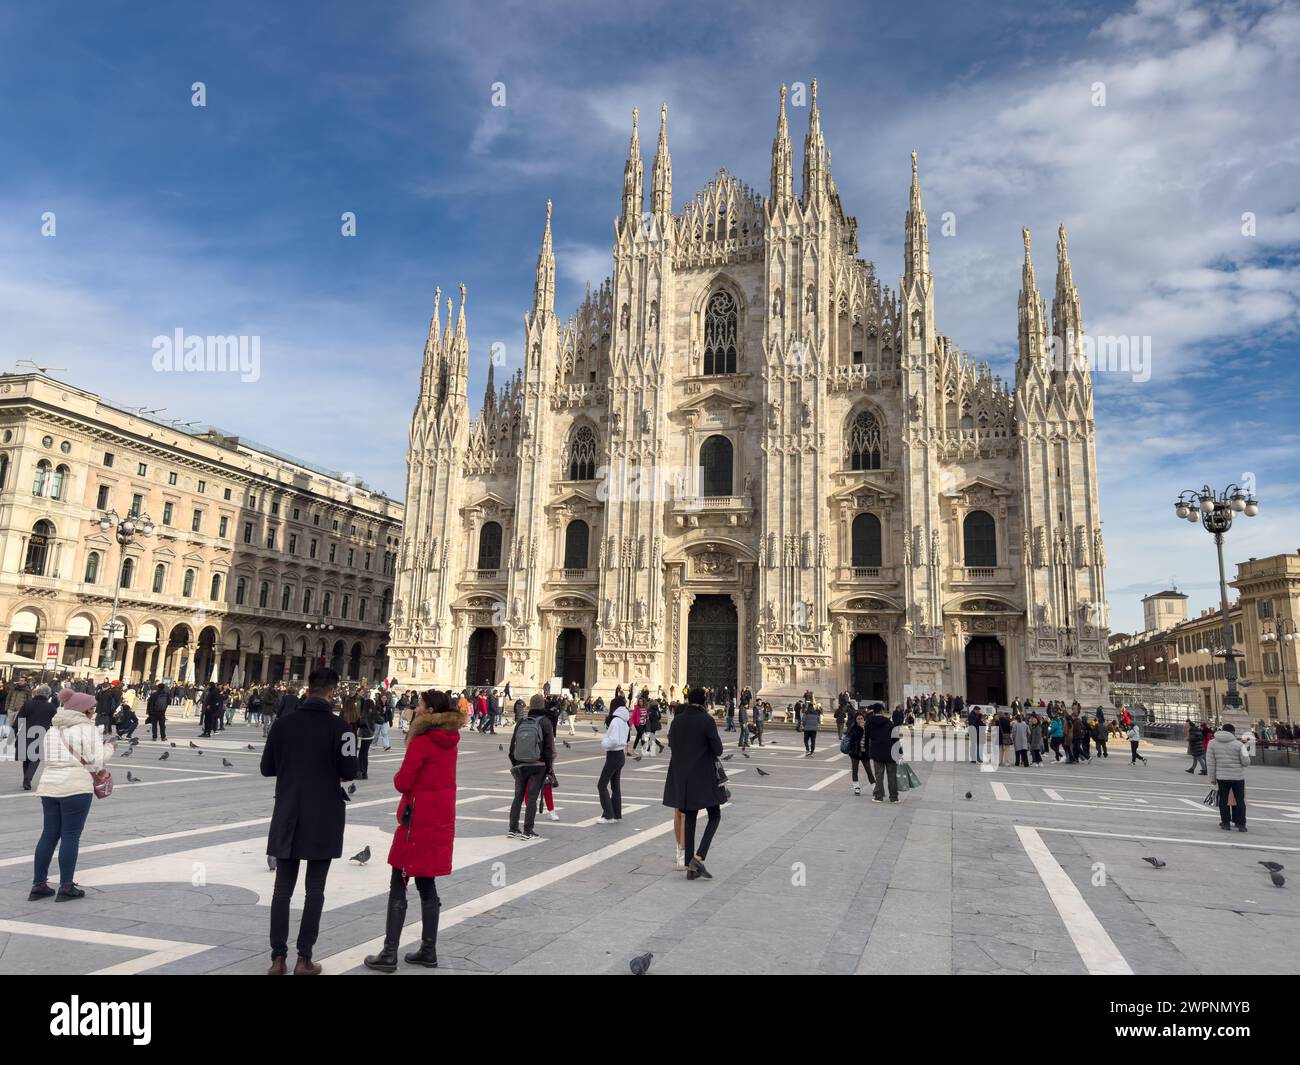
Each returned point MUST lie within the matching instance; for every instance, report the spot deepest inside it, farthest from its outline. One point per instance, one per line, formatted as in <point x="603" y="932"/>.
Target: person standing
<point x="1226" y="758"/>
<point x="1020" y="741"/>
<point x="30" y="726"/>
<point x="356" y="725"/>
<point x="811" y="720"/>
<point x="692" y="781"/>
<point x="309" y="751"/>
<point x="841" y="713"/>
<point x="1100" y="735"/>
<point x="610" y="786"/>
<point x="1036" y="739"/>
<point x="532" y="753"/>
<point x="859" y="749"/>
<point x="426" y="829"/>
<point x="1195" y="748"/>
<point x="74" y="750"/>
<point x="974" y="733"/>
<point x="1134" y="738"/>
<point x="880" y="738"/>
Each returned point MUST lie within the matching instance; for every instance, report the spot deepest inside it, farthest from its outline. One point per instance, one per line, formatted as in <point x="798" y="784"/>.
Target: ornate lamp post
<point x="1215" y="512"/>
<point x="127" y="529"/>
<point x="321" y="624"/>
<point x="1282" y="633"/>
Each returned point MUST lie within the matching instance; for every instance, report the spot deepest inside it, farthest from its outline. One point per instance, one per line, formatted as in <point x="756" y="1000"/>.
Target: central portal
<point x="711" y="636"/>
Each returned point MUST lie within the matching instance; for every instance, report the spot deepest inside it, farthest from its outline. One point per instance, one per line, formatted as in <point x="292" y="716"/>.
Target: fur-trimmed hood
<point x="422" y="723"/>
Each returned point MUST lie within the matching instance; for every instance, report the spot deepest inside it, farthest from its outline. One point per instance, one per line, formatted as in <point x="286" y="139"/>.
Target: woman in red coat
<point x="426" y="827"/>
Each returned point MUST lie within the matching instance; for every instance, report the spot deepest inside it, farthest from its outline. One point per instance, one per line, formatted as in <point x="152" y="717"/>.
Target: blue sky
<point x="226" y="219"/>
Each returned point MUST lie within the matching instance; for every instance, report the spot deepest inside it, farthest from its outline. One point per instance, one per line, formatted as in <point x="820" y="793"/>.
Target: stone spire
<point x="490" y="393"/>
<point x="458" y="351"/>
<point x="633" y="181"/>
<point x="432" y="351"/>
<point x="544" y="286"/>
<point x="661" y="178"/>
<point x="782" y="162"/>
<point x="1067" y="315"/>
<point x="916" y="241"/>
<point x="1032" y="312"/>
<point x="814" y="156"/>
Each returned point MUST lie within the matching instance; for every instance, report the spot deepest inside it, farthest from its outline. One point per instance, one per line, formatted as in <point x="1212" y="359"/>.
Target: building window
<point x="367" y="560"/>
<point x="336" y="525"/>
<point x="264" y="595"/>
<point x="159" y="575"/>
<point x="56" y="486"/>
<point x="241" y="591"/>
<point x="866" y="541"/>
<point x="137" y="504"/>
<point x="295" y="513"/>
<point x="4" y="469"/>
<point x="343" y="612"/>
<point x="582" y="454"/>
<point x="352" y="557"/>
<point x="275" y="506"/>
<point x="92" y="567"/>
<point x="980" y="540"/>
<point x="226" y="494"/>
<point x="334" y="549"/>
<point x="315" y="519"/>
<point x="203" y="487"/>
<point x="270" y="539"/>
<point x="171" y="477"/>
<point x="248" y="532"/>
<point x="576" y="537"/>
<point x="716" y="466"/>
<point x="167" y="514"/>
<point x="142" y="469"/>
<point x="1272" y="706"/>
<point x="187" y="584"/>
<point x="720" y="334"/>
<point x="489" y="546"/>
<point x="864" y="444"/>
<point x="286" y="596"/>
<point x="108" y="459"/>
<point x="196" y="521"/>
<point x="361" y="610"/>
<point x="311" y="549"/>
<point x="42" y="477"/>
<point x="215" y="592"/>
<point x="101" y="500"/>
<point x="306" y="600"/>
<point x="222" y="527"/>
<point x="128" y="572"/>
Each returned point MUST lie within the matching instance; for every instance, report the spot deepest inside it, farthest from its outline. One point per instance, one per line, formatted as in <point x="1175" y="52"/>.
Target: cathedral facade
<point x="745" y="460"/>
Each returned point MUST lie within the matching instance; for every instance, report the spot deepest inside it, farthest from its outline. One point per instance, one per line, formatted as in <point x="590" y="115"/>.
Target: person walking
<point x="653" y="719"/>
<point x="350" y="715"/>
<point x="34" y="718"/>
<point x="692" y="781"/>
<point x="880" y="740"/>
<point x="1056" y="733"/>
<point x="308" y="752"/>
<point x="1226" y="758"/>
<point x="859" y="749"/>
<point x="426" y="829"/>
<point x="532" y="752"/>
<point x="637" y="720"/>
<point x="75" y="749"/>
<point x="1100" y="735"/>
<point x="1134" y="738"/>
<point x="975" y="734"/>
<point x="811" y="720"/>
<point x="1195" y="748"/>
<point x="610" y="785"/>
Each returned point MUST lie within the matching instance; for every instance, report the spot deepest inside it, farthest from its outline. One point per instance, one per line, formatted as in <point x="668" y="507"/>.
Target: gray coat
<point x="1020" y="735"/>
<point x="1226" y="757"/>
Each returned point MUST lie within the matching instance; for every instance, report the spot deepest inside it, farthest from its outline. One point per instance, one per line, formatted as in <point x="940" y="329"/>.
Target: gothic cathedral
<point x="746" y="461"/>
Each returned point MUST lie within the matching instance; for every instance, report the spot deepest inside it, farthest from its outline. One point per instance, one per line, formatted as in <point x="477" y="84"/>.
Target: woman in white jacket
<point x="609" y="786"/>
<point x="74" y="748"/>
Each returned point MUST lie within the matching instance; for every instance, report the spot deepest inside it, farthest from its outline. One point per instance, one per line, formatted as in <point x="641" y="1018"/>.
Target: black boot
<point x="427" y="955"/>
<point x="386" y="960"/>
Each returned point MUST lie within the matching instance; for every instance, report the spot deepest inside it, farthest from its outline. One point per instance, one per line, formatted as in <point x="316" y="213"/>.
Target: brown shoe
<point x="306" y="967"/>
<point x="277" y="967"/>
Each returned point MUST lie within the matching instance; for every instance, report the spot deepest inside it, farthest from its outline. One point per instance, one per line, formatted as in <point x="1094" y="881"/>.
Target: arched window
<point x="56" y="482"/>
<point x="42" y="477"/>
<point x="159" y="575"/>
<point x="216" y="587"/>
<point x="866" y="540"/>
<point x="716" y="467"/>
<point x="241" y="591"/>
<point x="306" y="600"/>
<point x="576" y="536"/>
<point x="720" y="333"/>
<point x="92" y="567"/>
<point x="38" y="548"/>
<point x="386" y="607"/>
<point x="286" y="594"/>
<point x="187" y="584"/>
<point x="128" y="572"/>
<point x="980" y="538"/>
<point x="489" y="546"/>
<point x="582" y="454"/>
<point x="4" y="471"/>
<point x="264" y="594"/>
<point x="328" y="603"/>
<point x="864" y="442"/>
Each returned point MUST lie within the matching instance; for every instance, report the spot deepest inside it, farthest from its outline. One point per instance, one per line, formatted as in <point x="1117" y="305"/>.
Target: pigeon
<point x="193" y="745"/>
<point x="352" y="789"/>
<point x="969" y="796"/>
<point x="200" y="754"/>
<point x="227" y="763"/>
<point x="362" y="856"/>
<point x="164" y="756"/>
<point x="745" y="753"/>
<point x="252" y="748"/>
<point x="126" y="753"/>
<point x="1278" y="879"/>
<point x="771" y="743"/>
<point x="173" y="743"/>
<point x="640" y="965"/>
<point x="567" y="744"/>
<point x="1272" y="867"/>
<point x="761" y="773"/>
<point x="595" y="729"/>
<point x="270" y="862"/>
<point x="1155" y="863"/>
<point x="501" y="746"/>
<point x="637" y="758"/>
<point x="133" y="741"/>
<point x="729" y="757"/>
<point x="136" y="780"/>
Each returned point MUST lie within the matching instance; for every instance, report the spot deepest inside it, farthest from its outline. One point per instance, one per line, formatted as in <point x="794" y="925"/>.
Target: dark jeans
<point x="640" y="735"/>
<point x="886" y="771"/>
<point x="810" y="741"/>
<point x="286" y="879"/>
<point x="524" y="774"/>
<point x="1101" y="747"/>
<point x="610" y="785"/>
<point x="64" y="820"/>
<point x="866" y="764"/>
<point x="425" y="885"/>
<point x="30" y="766"/>
<point x="157" y="727"/>
<point x="1235" y="788"/>
<point x="363" y="756"/>
<point x="1022" y="758"/>
<point x="689" y="816"/>
<point x="1133" y="746"/>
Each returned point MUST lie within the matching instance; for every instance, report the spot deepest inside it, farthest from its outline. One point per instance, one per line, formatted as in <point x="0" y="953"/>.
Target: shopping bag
<point x="907" y="778"/>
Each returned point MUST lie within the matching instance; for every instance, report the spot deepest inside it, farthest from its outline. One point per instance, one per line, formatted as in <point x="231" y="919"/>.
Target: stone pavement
<point x="1039" y="871"/>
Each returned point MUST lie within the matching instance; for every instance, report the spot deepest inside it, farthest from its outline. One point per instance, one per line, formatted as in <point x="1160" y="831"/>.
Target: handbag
<point x="1211" y="798"/>
<point x="846" y="744"/>
<point x="719" y="772"/>
<point x="101" y="779"/>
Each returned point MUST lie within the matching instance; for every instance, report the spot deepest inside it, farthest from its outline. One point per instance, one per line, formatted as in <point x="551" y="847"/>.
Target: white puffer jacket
<point x="62" y="773"/>
<point x="1226" y="757"/>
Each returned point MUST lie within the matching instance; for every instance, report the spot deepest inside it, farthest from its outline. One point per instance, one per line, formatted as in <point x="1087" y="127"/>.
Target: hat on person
<point x="537" y="702"/>
<point x="76" y="701"/>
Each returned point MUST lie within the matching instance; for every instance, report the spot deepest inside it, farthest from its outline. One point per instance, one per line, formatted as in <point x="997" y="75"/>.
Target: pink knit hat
<point x="77" y="701"/>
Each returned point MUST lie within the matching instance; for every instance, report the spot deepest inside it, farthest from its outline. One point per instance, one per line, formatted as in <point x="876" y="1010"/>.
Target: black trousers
<point x="286" y="879"/>
<point x="610" y="787"/>
<point x="857" y="760"/>
<point x="524" y="774"/>
<point x="715" y="819"/>
<point x="1236" y="788"/>
<point x="1133" y="746"/>
<point x="363" y="757"/>
<point x="158" y="726"/>
<point x="30" y="766"/>
<point x="810" y="740"/>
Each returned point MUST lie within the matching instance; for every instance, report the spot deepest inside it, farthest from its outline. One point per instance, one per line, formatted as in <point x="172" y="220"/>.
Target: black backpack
<point x="529" y="740"/>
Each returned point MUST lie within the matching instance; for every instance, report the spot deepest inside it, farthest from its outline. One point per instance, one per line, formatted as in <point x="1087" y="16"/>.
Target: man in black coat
<point x="155" y="711"/>
<point x="692" y="781"/>
<point x="29" y="726"/>
<point x="308" y="752"/>
<point x="880" y="733"/>
<point x="287" y="703"/>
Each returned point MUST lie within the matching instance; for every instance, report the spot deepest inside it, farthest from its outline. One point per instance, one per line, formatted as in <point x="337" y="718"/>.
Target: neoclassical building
<point x="745" y="460"/>
<point x="259" y="567"/>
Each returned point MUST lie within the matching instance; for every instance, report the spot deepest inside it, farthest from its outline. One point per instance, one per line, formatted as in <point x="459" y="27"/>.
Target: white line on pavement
<point x="1100" y="955"/>
<point x="160" y="951"/>
<point x="1006" y="797"/>
<point x="827" y="781"/>
<point x="1000" y="791"/>
<point x="1170" y="839"/>
<point x="1055" y="796"/>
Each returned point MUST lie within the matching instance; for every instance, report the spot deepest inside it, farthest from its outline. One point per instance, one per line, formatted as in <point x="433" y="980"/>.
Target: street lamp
<point x="1215" y="512"/>
<point x="127" y="529"/>
<point x="1283" y="630"/>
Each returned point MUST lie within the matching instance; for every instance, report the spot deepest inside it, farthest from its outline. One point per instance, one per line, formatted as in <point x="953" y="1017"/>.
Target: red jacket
<point x="428" y="779"/>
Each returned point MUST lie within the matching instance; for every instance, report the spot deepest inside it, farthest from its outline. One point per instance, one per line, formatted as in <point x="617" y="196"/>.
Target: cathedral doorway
<point x="711" y="639"/>
<point x="986" y="671"/>
<point x="870" y="659"/>
<point x="481" y="659"/>
<point x="571" y="658"/>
